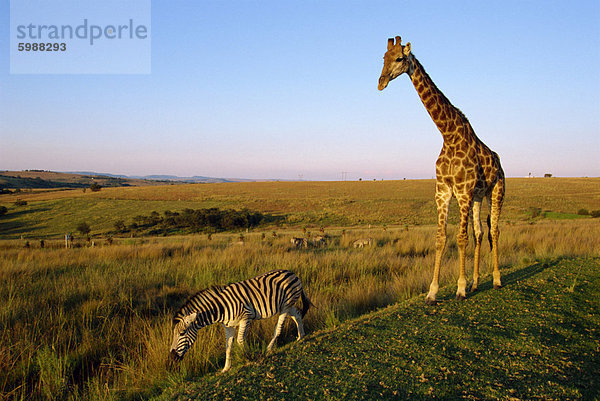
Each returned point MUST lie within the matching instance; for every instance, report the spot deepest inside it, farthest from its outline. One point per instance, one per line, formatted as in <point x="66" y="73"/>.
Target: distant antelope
<point x="361" y="243"/>
<point x="319" y="241"/>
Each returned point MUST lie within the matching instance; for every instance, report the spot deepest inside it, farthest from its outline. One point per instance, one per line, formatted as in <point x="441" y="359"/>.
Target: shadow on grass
<point x="515" y="276"/>
<point x="11" y="224"/>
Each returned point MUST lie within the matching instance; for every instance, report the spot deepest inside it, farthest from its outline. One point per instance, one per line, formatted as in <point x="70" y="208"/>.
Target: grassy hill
<point x="536" y="338"/>
<point x="40" y="179"/>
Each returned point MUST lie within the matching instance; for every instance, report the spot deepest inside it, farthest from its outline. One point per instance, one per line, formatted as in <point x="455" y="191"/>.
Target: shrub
<point x="20" y="202"/>
<point x="83" y="228"/>
<point x="120" y="226"/>
<point x="595" y="213"/>
<point x="3" y="210"/>
<point x="535" y="212"/>
<point x="583" y="212"/>
<point x="95" y="187"/>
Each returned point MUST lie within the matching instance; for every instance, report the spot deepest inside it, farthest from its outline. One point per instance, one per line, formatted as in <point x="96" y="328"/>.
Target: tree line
<point x="194" y="220"/>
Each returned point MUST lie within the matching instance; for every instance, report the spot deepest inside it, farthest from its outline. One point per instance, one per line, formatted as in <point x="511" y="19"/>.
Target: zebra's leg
<point x="244" y="324"/>
<point x="229" y="335"/>
<point x="297" y="318"/>
<point x="278" y="328"/>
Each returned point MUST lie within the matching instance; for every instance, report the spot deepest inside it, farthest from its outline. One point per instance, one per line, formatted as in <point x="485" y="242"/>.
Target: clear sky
<point x="288" y="89"/>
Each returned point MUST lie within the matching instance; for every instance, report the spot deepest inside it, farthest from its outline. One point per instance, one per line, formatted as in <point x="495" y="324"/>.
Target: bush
<point x="595" y="213"/>
<point x="20" y="202"/>
<point x="95" y="187"/>
<point x="83" y="228"/>
<point x="120" y="226"/>
<point x="535" y="212"/>
<point x="3" y="210"/>
<point x="583" y="212"/>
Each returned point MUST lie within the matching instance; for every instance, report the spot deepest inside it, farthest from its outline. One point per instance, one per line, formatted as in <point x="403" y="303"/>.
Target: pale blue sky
<point x="272" y="89"/>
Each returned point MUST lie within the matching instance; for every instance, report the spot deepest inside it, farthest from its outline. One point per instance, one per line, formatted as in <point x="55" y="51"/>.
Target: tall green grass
<point x="95" y="323"/>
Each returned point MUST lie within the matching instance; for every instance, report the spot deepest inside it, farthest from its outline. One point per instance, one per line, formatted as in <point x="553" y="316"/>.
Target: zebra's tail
<point x="305" y="303"/>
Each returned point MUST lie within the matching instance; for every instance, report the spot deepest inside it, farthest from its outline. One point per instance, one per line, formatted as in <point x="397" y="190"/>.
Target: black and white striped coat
<point x="238" y="304"/>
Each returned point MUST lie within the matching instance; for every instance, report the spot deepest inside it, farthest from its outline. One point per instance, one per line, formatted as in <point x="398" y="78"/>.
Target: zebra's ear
<point x="189" y="319"/>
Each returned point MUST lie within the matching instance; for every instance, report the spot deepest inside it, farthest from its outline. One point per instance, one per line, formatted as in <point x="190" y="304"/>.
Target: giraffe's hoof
<point x="432" y="302"/>
<point x="473" y="289"/>
<point x="460" y="297"/>
<point x="497" y="286"/>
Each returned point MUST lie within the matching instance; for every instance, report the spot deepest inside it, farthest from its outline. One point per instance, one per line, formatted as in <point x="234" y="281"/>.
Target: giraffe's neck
<point x="445" y="116"/>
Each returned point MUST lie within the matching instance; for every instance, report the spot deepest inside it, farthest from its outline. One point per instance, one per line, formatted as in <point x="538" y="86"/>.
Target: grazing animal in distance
<point x="299" y="242"/>
<point x="361" y="243"/>
<point x="236" y="305"/>
<point x="466" y="169"/>
<point x="319" y="241"/>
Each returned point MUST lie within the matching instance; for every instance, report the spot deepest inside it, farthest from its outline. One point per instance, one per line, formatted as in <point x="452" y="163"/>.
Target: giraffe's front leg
<point x="442" y="197"/>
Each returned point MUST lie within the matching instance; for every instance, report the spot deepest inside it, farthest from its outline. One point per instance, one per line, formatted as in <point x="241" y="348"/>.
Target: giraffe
<point x="466" y="169"/>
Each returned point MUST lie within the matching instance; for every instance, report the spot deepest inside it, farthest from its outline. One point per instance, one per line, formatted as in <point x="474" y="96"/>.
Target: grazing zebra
<point x="360" y="243"/>
<point x="236" y="305"/>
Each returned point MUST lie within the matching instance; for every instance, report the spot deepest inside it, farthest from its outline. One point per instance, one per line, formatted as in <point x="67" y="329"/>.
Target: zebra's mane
<point x="183" y="310"/>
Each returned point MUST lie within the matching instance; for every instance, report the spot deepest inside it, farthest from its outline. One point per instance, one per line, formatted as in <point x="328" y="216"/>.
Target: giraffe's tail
<point x="489" y="224"/>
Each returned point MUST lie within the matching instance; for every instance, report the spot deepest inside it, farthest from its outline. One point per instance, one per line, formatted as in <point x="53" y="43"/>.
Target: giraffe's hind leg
<point x="478" y="234"/>
<point x="462" y="238"/>
<point x="497" y="198"/>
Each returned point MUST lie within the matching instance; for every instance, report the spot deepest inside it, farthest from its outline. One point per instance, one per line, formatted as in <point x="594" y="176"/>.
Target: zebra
<point x="238" y="304"/>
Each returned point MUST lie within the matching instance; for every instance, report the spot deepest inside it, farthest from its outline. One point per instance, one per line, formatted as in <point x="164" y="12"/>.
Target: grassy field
<point x="51" y="214"/>
<point x="94" y="323"/>
<point x="536" y="338"/>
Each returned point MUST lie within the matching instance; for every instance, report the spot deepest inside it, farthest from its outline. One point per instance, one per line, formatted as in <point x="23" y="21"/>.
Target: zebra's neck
<point x="207" y="304"/>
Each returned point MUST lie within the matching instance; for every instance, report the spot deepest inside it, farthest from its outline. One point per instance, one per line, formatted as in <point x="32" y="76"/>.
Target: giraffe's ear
<point x="406" y="49"/>
<point x="390" y="43"/>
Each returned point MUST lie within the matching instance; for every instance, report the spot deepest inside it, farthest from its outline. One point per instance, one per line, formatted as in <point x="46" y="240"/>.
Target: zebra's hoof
<point x="431" y="302"/>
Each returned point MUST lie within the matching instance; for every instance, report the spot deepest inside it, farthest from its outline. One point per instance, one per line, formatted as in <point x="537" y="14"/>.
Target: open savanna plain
<point x="95" y="322"/>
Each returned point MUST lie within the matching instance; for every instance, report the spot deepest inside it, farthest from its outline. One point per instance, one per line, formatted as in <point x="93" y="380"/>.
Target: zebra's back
<point x="265" y="295"/>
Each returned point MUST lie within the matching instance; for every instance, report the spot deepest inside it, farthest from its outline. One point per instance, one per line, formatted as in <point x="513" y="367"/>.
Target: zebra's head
<point x="185" y="331"/>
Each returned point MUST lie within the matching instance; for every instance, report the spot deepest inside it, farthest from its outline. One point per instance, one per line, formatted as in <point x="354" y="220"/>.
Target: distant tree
<point x="583" y="212"/>
<point x="95" y="187"/>
<point x="83" y="228"/>
<point x="595" y="213"/>
<point x="120" y="226"/>
<point x="3" y="210"/>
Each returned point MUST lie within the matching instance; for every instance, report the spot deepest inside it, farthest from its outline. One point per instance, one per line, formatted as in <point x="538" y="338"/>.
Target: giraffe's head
<point x="396" y="61"/>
